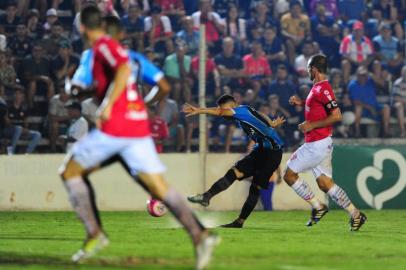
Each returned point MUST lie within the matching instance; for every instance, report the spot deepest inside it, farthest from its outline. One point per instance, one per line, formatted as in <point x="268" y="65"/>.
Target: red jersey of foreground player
<point x="129" y="117"/>
<point x="317" y="107"/>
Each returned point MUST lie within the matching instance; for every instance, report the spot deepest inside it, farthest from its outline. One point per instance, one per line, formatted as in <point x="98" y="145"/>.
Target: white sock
<point x="303" y="190"/>
<point x="339" y="196"/>
<point x="80" y="200"/>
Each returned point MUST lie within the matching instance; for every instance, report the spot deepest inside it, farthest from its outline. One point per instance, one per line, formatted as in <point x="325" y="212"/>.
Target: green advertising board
<point x="372" y="176"/>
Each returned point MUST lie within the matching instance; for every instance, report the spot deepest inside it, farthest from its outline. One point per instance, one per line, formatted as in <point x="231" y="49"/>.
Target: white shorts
<point x="138" y="153"/>
<point x="315" y="156"/>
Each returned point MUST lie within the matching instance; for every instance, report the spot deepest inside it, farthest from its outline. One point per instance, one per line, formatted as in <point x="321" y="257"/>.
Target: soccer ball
<point x="156" y="208"/>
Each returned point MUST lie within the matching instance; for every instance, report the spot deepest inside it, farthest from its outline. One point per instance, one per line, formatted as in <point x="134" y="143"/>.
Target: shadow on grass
<point x="39" y="238"/>
<point x="128" y="262"/>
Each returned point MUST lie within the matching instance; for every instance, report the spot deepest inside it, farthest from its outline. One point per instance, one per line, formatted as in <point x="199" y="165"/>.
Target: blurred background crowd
<point x="256" y="50"/>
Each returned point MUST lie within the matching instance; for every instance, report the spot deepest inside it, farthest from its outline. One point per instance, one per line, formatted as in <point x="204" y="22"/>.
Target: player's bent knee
<point x="155" y="184"/>
<point x="234" y="174"/>
<point x="290" y="176"/>
<point x="325" y="183"/>
<point x="70" y="170"/>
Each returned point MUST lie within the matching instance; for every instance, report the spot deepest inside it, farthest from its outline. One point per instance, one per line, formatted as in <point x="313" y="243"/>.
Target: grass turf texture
<point x="270" y="240"/>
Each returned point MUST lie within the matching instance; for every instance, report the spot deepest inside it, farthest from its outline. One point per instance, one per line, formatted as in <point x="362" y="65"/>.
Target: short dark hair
<point x="224" y="99"/>
<point x="113" y="25"/>
<point x="91" y="17"/>
<point x="319" y="61"/>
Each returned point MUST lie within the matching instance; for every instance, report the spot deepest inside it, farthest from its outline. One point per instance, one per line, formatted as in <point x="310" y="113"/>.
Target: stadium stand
<point x="257" y="51"/>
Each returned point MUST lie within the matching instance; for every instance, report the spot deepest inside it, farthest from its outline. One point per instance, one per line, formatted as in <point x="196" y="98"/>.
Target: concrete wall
<point x="31" y="183"/>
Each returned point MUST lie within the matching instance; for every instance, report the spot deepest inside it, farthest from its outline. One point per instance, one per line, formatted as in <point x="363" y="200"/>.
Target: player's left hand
<point x="190" y="110"/>
<point x="278" y="121"/>
<point x="305" y="127"/>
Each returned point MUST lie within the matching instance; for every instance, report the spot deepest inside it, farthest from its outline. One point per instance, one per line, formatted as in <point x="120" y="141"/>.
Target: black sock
<point x="221" y="184"/>
<point x="92" y="196"/>
<point x="250" y="203"/>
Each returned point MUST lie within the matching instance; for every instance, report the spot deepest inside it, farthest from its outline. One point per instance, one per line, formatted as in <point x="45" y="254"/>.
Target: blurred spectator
<point x="66" y="9"/>
<point x="174" y="9"/>
<point x="235" y="26"/>
<point x="283" y="88"/>
<point x="256" y="68"/>
<point x="275" y="108"/>
<point x="9" y="21"/>
<point x="399" y="100"/>
<point x="388" y="49"/>
<point x="133" y="22"/>
<point x="214" y="24"/>
<point x="159" y="129"/>
<point x="336" y="81"/>
<point x="3" y="43"/>
<point x="176" y="69"/>
<point x="326" y="33"/>
<point x="17" y="114"/>
<point x="213" y="88"/>
<point x="52" y="17"/>
<point x="386" y="11"/>
<point x="223" y="6"/>
<point x="362" y="91"/>
<point x="273" y="48"/>
<point x="301" y="62"/>
<point x="37" y="72"/>
<point x="168" y="111"/>
<point x="260" y="20"/>
<point x="58" y="116"/>
<point x="33" y="26"/>
<point x="230" y="67"/>
<point x="295" y="27"/>
<point x="330" y="8"/>
<point x="144" y="5"/>
<point x="351" y="10"/>
<point x="189" y="36"/>
<point x="158" y="31"/>
<point x="65" y="63"/>
<point x="356" y="50"/>
<point x="78" y="127"/>
<point x="7" y="77"/>
<point x="50" y="42"/>
<point x="21" y="43"/>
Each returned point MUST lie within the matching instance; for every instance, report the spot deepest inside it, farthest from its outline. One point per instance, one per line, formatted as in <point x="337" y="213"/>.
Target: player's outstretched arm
<point x="158" y="92"/>
<point x="191" y="110"/>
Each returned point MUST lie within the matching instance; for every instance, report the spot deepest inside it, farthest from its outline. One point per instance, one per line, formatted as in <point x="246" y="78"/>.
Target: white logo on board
<point x="376" y="173"/>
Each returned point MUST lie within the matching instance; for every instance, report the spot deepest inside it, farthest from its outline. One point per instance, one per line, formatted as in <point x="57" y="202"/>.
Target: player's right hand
<point x="295" y="100"/>
<point x="189" y="110"/>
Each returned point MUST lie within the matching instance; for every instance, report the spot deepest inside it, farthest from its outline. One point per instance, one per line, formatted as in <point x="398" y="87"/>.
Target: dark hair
<point x="319" y="61"/>
<point x="224" y="99"/>
<point x="91" y="17"/>
<point x="113" y="25"/>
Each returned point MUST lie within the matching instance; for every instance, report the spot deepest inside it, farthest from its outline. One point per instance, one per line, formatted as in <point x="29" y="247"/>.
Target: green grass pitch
<point x="269" y="240"/>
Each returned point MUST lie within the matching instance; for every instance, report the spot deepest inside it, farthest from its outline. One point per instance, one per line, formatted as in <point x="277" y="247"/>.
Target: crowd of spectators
<point x="256" y="51"/>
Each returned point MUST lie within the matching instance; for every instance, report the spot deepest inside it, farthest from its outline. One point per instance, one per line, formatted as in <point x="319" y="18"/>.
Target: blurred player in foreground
<point x="260" y="163"/>
<point x="321" y="113"/>
<point x="123" y="129"/>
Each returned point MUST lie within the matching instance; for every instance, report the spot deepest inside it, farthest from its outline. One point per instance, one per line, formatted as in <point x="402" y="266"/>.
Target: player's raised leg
<point x="80" y="196"/>
<point x="340" y="197"/>
<point x="220" y="185"/>
<point x="143" y="162"/>
<point x="304" y="191"/>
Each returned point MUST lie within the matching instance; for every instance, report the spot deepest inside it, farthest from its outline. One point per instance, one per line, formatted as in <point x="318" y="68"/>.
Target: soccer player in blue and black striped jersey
<point x="259" y="164"/>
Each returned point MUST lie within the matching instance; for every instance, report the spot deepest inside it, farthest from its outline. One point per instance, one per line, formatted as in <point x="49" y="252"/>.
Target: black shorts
<point x="261" y="163"/>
